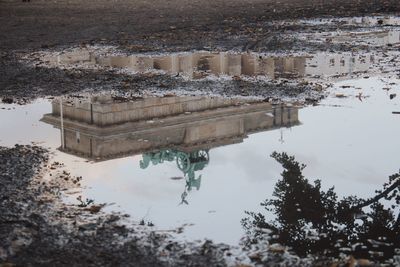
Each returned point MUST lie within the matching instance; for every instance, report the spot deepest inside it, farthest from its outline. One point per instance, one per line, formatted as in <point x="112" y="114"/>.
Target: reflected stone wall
<point x="201" y="64"/>
<point x="104" y="111"/>
<point x="132" y="127"/>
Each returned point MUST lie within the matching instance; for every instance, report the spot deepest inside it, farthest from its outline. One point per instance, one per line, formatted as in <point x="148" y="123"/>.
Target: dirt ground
<point x="175" y="23"/>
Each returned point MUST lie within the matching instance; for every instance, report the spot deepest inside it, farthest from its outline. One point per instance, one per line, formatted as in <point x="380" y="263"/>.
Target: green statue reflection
<point x="187" y="162"/>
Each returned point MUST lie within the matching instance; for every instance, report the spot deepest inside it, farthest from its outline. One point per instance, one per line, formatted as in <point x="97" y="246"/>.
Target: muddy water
<point x="201" y="161"/>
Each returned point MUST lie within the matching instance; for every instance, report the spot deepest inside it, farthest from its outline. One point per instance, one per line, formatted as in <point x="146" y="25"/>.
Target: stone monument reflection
<point x="181" y="129"/>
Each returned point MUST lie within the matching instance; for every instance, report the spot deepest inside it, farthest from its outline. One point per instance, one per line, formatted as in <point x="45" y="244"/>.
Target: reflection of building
<point x="290" y="67"/>
<point x="200" y="64"/>
<point x="338" y="64"/>
<point x="102" y="128"/>
<point x="173" y="129"/>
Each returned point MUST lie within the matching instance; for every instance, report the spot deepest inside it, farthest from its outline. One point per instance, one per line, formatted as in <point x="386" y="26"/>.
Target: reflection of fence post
<point x="62" y="124"/>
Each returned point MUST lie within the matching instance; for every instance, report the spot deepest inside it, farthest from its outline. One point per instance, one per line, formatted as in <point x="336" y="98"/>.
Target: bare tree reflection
<point x="312" y="221"/>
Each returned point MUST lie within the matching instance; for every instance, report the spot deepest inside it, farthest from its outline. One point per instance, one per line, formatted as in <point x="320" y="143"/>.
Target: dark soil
<point x="172" y="24"/>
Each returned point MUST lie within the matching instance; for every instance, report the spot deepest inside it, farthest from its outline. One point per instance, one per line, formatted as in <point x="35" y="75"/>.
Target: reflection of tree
<point x="313" y="221"/>
<point x="187" y="162"/>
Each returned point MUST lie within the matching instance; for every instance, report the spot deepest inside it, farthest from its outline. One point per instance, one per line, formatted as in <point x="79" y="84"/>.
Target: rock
<point x="95" y="208"/>
<point x="340" y="95"/>
<point x="364" y="262"/>
<point x="88" y="227"/>
<point x="255" y="256"/>
<point x="7" y="100"/>
<point x="277" y="248"/>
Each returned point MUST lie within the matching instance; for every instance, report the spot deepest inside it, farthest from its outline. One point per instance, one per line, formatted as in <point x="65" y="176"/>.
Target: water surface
<point x="205" y="167"/>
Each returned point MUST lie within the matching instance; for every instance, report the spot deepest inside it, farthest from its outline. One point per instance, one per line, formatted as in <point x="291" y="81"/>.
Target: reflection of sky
<point x="353" y="147"/>
<point x="20" y="124"/>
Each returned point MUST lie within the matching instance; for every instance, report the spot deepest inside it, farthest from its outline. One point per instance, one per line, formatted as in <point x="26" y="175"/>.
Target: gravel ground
<point x="176" y="24"/>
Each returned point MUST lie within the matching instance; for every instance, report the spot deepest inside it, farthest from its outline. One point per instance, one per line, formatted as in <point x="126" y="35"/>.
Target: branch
<point x="379" y="196"/>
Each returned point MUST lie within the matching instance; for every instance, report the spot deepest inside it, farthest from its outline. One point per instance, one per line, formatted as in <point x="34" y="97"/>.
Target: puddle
<point x="203" y="64"/>
<point x="201" y="161"/>
<point x="376" y="37"/>
<point x="366" y="32"/>
<point x="356" y="21"/>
